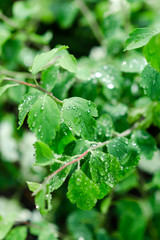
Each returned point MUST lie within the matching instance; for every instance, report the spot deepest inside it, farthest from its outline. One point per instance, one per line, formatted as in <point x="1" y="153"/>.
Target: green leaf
<point x="5" y="87"/>
<point x="45" y="60"/>
<point x="81" y="146"/>
<point x="139" y="38"/>
<point x="60" y="177"/>
<point x="104" y="127"/>
<point x="44" y="155"/>
<point x="26" y="104"/>
<point x="125" y="150"/>
<point x="5" y="34"/>
<point x="156" y="179"/>
<point x="104" y="168"/>
<point x="78" y="115"/>
<point x="145" y="142"/>
<point x="134" y="63"/>
<point x="5" y="226"/>
<point x="142" y="111"/>
<point x="43" y="229"/>
<point x="111" y="81"/>
<point x="68" y="62"/>
<point x="156" y="115"/>
<point x="150" y="81"/>
<point x="82" y="191"/>
<point x="151" y="52"/>
<point x="44" y="118"/>
<point x="49" y="77"/>
<point x="48" y="233"/>
<point x="63" y="138"/>
<point x="17" y="233"/>
<point x="9" y="211"/>
<point x="150" y="166"/>
<point x="82" y="224"/>
<point x="132" y="216"/>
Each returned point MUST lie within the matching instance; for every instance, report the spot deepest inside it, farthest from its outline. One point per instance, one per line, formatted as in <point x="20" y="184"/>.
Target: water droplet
<point x="98" y="74"/>
<point x="110" y="86"/>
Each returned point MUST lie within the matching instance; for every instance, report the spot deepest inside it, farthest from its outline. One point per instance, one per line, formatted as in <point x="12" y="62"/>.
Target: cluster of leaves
<point x="92" y="118"/>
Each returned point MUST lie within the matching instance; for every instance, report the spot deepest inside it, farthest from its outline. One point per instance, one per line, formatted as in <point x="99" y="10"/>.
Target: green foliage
<point x="44" y="60"/>
<point x="145" y="141"/>
<point x="40" y="118"/>
<point x="151" y="52"/>
<point x="82" y="191"/>
<point x="26" y="104"/>
<point x="125" y="150"/>
<point x="44" y="155"/>
<point x="150" y="81"/>
<point x="104" y="168"/>
<point x="139" y="38"/>
<point x="18" y="233"/>
<point x="78" y="115"/>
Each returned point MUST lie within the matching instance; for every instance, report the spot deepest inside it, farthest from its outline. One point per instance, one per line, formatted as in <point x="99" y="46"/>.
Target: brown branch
<point x="123" y="134"/>
<point x="36" y="87"/>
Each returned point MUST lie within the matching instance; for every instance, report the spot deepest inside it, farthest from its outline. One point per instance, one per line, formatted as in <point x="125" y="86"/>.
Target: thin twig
<point x="123" y="134"/>
<point x="10" y="73"/>
<point x="34" y="86"/>
<point x="7" y="20"/>
<point x="91" y="20"/>
<point x="57" y="171"/>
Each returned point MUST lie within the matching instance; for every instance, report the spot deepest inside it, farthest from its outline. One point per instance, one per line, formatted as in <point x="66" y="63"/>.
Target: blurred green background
<point x="95" y="31"/>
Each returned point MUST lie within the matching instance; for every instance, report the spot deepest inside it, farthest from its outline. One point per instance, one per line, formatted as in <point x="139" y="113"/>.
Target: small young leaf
<point x="17" y="233"/>
<point x="104" y="168"/>
<point x="42" y="198"/>
<point x="151" y="52"/>
<point x="78" y="115"/>
<point x="26" y="104"/>
<point x="139" y="38"/>
<point x="44" y="155"/>
<point x="5" y="87"/>
<point x="82" y="191"/>
<point x="49" y="77"/>
<point x="44" y="119"/>
<point x="43" y="60"/>
<point x="145" y="142"/>
<point x="150" y="81"/>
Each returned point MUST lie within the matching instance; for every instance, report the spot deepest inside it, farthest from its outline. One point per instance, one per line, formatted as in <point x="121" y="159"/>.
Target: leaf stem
<point x="123" y="134"/>
<point x="36" y="87"/>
